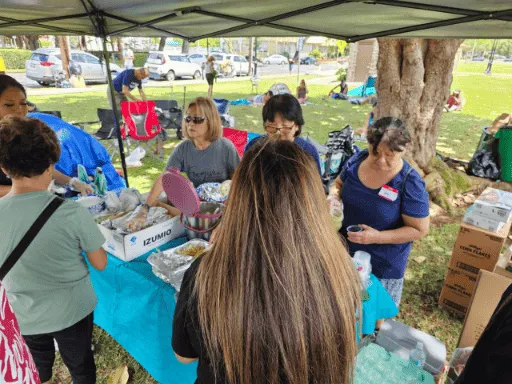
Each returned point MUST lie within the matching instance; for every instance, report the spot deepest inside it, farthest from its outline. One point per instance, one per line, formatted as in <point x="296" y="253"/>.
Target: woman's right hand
<point x="139" y="221"/>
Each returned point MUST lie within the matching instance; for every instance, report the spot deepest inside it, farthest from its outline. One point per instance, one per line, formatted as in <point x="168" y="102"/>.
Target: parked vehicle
<point x="309" y="60"/>
<point x="163" y="65"/>
<point x="508" y="59"/>
<point x="275" y="59"/>
<point x="239" y="64"/>
<point x="45" y="63"/>
<point x="499" y="57"/>
<point x="478" y="58"/>
<point x="197" y="58"/>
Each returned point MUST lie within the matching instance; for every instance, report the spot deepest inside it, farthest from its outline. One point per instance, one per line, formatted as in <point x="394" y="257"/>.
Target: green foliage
<point x="316" y="54"/>
<point x="45" y="44"/>
<point x="212" y="42"/>
<point x="15" y="58"/>
<point x="342" y="47"/>
<point x="341" y="74"/>
<point x="285" y="54"/>
<point x="139" y="59"/>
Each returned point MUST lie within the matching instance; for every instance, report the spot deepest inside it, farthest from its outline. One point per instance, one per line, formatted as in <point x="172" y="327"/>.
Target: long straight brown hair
<point x="278" y="293"/>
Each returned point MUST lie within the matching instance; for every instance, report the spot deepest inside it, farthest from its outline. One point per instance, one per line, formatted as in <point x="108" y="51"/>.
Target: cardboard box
<point x="457" y="291"/>
<point x="477" y="248"/>
<point x="474" y="218"/>
<point x="129" y="247"/>
<point x="493" y="211"/>
<point x="488" y="291"/>
<point x="496" y="197"/>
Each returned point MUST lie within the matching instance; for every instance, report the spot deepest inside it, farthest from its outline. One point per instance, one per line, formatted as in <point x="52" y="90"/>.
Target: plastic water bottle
<point x="417" y="357"/>
<point x="364" y="266"/>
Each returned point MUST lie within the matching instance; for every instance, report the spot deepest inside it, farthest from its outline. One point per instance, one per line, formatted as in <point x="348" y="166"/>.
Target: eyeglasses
<point x="273" y="128"/>
<point x="194" y="119"/>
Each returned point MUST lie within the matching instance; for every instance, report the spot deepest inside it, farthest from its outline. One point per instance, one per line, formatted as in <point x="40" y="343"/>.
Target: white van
<point x="165" y="65"/>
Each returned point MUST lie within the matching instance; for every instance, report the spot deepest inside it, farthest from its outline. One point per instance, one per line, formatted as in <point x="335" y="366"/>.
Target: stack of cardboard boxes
<point x="482" y="235"/>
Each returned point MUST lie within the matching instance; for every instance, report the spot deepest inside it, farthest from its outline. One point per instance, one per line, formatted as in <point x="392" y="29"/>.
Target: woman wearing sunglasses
<point x="282" y="117"/>
<point x="205" y="157"/>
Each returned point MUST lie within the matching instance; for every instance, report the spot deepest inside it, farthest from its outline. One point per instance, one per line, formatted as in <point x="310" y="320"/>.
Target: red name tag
<point x="388" y="193"/>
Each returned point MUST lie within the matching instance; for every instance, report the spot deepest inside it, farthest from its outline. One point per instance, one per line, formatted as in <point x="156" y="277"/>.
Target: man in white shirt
<point x="128" y="57"/>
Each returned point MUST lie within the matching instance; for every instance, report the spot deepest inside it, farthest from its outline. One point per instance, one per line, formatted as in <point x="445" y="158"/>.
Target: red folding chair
<point x="142" y="125"/>
<point x="237" y="137"/>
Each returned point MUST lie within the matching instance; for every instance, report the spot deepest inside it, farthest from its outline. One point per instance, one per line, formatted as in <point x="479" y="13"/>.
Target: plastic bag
<point x="458" y="362"/>
<point x="130" y="198"/>
<point x="483" y="164"/>
<point x="134" y="160"/>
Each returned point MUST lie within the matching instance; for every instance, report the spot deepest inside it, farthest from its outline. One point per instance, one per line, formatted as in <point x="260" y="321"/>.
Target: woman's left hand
<point x="367" y="236"/>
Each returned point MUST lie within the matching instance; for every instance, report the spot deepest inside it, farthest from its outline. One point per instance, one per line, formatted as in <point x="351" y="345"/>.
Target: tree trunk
<point x="83" y="43"/>
<point x="32" y="42"/>
<point x="413" y="84"/>
<point x="185" y="47"/>
<point x="64" y="52"/>
<point x="161" y="46"/>
<point x="120" y="49"/>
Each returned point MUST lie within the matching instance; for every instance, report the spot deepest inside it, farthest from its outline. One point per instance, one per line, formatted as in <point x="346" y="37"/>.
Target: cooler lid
<point x="180" y="192"/>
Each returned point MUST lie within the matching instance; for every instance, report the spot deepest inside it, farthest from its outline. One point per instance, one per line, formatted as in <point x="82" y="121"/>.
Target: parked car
<point x="46" y="62"/>
<point x="309" y="60"/>
<point x="478" y="58"/>
<point x="239" y="63"/>
<point x="164" y="65"/>
<point x="275" y="59"/>
<point x="198" y="59"/>
<point x="508" y="59"/>
<point x="499" y="57"/>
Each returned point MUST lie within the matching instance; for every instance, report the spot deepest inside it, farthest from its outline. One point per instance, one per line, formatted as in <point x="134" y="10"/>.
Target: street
<point x="263" y="70"/>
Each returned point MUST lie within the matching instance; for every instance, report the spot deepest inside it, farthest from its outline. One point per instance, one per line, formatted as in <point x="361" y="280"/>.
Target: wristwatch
<point x="70" y="182"/>
<point x="145" y="205"/>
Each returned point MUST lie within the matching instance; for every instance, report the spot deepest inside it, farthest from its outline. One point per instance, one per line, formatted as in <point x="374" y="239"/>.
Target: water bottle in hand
<point x="417" y="357"/>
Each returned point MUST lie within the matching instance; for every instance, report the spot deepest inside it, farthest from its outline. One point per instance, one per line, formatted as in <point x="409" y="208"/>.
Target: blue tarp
<point x="79" y="147"/>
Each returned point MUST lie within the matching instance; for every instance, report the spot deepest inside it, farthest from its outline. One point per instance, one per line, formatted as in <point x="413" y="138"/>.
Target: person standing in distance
<point x="125" y="83"/>
<point x="128" y="57"/>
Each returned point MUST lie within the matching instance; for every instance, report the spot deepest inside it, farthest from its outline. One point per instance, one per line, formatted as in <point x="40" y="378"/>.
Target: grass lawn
<point x="486" y="96"/>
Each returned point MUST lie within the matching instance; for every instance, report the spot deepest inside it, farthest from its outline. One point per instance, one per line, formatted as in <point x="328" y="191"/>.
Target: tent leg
<point x="117" y="117"/>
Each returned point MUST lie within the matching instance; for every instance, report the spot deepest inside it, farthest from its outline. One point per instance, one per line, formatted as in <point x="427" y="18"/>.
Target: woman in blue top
<point x="282" y="115"/>
<point x="385" y="196"/>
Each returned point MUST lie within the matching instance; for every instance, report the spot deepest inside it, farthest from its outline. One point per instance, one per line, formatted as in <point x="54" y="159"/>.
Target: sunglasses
<point x="194" y="119"/>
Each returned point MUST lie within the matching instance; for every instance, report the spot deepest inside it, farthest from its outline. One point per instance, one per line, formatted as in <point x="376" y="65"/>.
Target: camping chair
<point x="54" y="113"/>
<point x="170" y="115"/>
<point x="237" y="137"/>
<point x="142" y="125"/>
<point x="222" y="106"/>
<point x="108" y="132"/>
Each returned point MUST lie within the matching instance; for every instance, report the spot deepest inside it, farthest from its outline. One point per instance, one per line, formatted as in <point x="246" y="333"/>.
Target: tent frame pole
<point x="117" y="116"/>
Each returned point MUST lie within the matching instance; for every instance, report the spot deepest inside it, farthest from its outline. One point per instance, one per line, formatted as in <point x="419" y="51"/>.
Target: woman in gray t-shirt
<point x="49" y="287"/>
<point x="205" y="157"/>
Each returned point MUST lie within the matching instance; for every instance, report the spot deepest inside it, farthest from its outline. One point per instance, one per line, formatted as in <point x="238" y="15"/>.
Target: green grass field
<point x="486" y="96"/>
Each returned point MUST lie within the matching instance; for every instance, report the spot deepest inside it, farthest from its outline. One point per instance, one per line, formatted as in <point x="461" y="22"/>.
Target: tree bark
<point x="161" y="46"/>
<point x="64" y="52"/>
<point x="251" y="54"/>
<point x="185" y="47"/>
<point x="83" y="43"/>
<point x="120" y="49"/>
<point x="413" y="84"/>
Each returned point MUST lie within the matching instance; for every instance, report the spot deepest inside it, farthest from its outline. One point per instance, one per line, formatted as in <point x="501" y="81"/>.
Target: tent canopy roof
<point x="350" y="20"/>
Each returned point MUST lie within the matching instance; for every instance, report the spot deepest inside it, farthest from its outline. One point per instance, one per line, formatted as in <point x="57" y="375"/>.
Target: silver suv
<point x="45" y="63"/>
<point x="165" y="65"/>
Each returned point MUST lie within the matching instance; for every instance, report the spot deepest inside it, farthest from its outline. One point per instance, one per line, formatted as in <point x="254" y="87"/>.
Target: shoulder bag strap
<point x="402" y="188"/>
<point x="29" y="236"/>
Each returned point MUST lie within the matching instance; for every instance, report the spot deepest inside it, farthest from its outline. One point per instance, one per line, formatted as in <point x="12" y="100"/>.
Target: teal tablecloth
<point x="136" y="308"/>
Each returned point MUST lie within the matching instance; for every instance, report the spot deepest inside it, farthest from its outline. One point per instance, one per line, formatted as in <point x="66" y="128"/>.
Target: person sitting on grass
<point x="455" y="102"/>
<point x="302" y="92"/>
<point x="261" y="99"/>
<point x="342" y="94"/>
<point x="370" y="118"/>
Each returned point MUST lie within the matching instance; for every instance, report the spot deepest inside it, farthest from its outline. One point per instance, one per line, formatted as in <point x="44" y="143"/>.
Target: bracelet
<point x="145" y="205"/>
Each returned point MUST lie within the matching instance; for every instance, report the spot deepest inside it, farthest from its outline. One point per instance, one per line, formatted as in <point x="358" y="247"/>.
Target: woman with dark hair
<point x="13" y="102"/>
<point x="282" y="117"/>
<point x="387" y="198"/>
<point x="49" y="287"/>
<point x="284" y="309"/>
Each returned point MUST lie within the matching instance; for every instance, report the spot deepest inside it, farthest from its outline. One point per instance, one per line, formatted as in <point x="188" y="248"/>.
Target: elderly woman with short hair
<point x="384" y="195"/>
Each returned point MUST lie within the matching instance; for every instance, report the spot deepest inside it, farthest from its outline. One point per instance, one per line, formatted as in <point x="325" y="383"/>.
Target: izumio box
<point x="477" y="248"/>
<point x="457" y="291"/>
<point x="488" y="291"/>
<point x="494" y="204"/>
<point x="133" y="245"/>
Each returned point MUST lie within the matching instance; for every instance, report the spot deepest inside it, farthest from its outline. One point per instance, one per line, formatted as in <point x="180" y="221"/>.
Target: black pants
<point x="75" y="349"/>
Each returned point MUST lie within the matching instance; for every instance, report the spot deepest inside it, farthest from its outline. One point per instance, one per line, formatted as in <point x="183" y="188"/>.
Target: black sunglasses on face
<point x="195" y="119"/>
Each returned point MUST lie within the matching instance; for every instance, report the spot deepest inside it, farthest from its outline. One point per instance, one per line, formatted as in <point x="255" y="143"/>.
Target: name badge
<point x="388" y="193"/>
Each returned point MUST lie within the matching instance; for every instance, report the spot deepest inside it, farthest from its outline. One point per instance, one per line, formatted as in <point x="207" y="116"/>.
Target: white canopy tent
<point x="350" y="20"/>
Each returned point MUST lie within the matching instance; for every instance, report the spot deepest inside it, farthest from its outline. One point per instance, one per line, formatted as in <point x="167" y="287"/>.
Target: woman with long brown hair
<point x="276" y="297"/>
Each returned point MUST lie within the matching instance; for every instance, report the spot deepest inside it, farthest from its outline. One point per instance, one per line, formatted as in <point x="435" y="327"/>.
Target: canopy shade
<point x="350" y="20"/>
